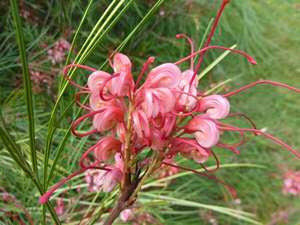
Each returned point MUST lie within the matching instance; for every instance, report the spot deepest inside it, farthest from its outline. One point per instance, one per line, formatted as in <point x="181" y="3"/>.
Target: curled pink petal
<point x="158" y="100"/>
<point x="123" y="84"/>
<point x="187" y="101"/>
<point x="215" y="106"/>
<point x="121" y="63"/>
<point x="141" y="124"/>
<point x="205" y="131"/>
<point x="166" y="76"/>
<point x="108" y="118"/>
<point x="108" y="147"/>
<point x="96" y="80"/>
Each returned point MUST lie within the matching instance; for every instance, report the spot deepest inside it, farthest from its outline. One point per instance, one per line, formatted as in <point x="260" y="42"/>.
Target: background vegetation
<point x="268" y="30"/>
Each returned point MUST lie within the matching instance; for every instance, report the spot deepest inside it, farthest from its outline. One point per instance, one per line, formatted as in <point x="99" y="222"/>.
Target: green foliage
<point x="36" y="145"/>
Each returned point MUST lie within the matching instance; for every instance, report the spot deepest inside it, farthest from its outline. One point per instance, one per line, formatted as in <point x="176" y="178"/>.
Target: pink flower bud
<point x="215" y="106"/>
<point x="205" y="131"/>
<point x="126" y="215"/>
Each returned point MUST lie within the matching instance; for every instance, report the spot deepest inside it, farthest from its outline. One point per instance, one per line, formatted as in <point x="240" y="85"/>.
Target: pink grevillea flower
<point x="215" y="106"/>
<point x="105" y="180"/>
<point x="60" y="206"/>
<point x="205" y="131"/>
<point x="291" y="183"/>
<point x="156" y="95"/>
<point x="144" y="126"/>
<point x="57" y="53"/>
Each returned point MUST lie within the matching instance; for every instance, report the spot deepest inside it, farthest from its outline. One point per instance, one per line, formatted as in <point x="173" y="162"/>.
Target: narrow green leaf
<point x="27" y="82"/>
<point x="51" y="124"/>
<point x="16" y="155"/>
<point x="231" y="165"/>
<point x="182" y="202"/>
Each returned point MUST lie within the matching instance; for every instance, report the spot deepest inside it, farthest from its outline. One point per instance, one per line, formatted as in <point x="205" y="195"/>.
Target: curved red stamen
<point x="231" y="189"/>
<point x="244" y="116"/>
<point x="217" y="162"/>
<point x="80" y="119"/>
<point x="101" y="94"/>
<point x="145" y="67"/>
<point x="273" y="83"/>
<point x="86" y="153"/>
<point x="45" y="197"/>
<point x="190" y="142"/>
<point x="229" y="147"/>
<point x="66" y="71"/>
<point x="211" y="34"/>
<point x="183" y="114"/>
<point x="191" y="43"/>
<point x="269" y="136"/>
<point x="248" y="57"/>
<point x="186" y="93"/>
<point x="241" y="134"/>
<point x="77" y="100"/>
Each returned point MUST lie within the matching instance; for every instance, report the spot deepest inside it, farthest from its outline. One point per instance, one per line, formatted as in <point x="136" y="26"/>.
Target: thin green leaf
<point x="27" y="82"/>
<point x="182" y="202"/>
<point x="231" y="165"/>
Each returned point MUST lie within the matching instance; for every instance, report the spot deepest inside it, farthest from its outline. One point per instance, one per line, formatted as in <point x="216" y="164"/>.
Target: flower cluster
<point x="57" y="53"/>
<point x="291" y="183"/>
<point x="142" y="126"/>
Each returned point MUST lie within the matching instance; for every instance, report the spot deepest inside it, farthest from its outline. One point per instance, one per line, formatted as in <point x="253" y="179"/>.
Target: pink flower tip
<point x="44" y="198"/>
<point x="252" y="61"/>
<point x="151" y="59"/>
<point x="178" y="35"/>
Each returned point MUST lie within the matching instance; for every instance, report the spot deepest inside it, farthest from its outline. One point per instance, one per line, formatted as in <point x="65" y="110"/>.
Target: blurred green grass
<point x="268" y="30"/>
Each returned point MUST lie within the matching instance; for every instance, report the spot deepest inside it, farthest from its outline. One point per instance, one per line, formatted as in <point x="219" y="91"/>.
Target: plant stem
<point x="122" y="202"/>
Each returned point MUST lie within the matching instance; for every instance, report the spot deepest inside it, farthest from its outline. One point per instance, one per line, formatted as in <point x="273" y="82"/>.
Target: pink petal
<point x="165" y="75"/>
<point x="107" y="119"/>
<point x="216" y="106"/>
<point x="96" y="80"/>
<point x="121" y="63"/>
<point x="108" y="147"/>
<point x="205" y="131"/>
